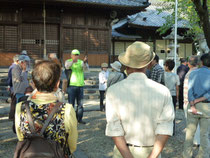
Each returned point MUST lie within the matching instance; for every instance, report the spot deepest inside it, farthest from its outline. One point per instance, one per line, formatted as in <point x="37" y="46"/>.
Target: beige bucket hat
<point x="137" y="55"/>
<point x="104" y="65"/>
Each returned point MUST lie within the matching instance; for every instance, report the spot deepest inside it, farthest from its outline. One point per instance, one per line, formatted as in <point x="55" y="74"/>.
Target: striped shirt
<point x="185" y="93"/>
<point x="139" y="109"/>
<point x="157" y="74"/>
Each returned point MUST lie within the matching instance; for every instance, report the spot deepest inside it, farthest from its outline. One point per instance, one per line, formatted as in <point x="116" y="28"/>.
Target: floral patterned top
<point x="54" y="131"/>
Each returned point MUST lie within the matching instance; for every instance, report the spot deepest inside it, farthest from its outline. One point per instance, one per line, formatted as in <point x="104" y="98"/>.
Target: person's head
<point x="23" y="60"/>
<point x="155" y="61"/>
<point x="46" y="75"/>
<point x="15" y="58"/>
<point x="38" y="60"/>
<point x="193" y="61"/>
<point x="52" y="56"/>
<point x="116" y="66"/>
<point x="205" y="59"/>
<point x="75" y="54"/>
<point x="183" y="61"/>
<point x="24" y="52"/>
<point x="104" y="66"/>
<point x="137" y="57"/>
<point x="169" y="65"/>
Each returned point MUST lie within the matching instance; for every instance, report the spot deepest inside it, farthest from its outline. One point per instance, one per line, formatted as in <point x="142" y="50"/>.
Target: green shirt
<point x="77" y="75"/>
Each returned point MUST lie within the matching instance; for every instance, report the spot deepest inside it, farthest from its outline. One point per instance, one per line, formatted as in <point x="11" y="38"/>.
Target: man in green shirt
<point x="75" y="89"/>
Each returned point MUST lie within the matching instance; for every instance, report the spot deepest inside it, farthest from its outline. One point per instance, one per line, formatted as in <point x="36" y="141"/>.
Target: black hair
<point x="156" y="58"/>
<point x="183" y="60"/>
<point x="170" y="64"/>
<point x="205" y="58"/>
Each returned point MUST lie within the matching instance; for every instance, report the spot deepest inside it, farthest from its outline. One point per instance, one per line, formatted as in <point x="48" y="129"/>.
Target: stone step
<point x="4" y="93"/>
<point x="3" y="84"/>
<point x="92" y="96"/>
<point x="3" y="79"/>
<point x="91" y="90"/>
<point x="3" y="98"/>
<point x="91" y="82"/>
<point x="3" y="88"/>
<point x="90" y="86"/>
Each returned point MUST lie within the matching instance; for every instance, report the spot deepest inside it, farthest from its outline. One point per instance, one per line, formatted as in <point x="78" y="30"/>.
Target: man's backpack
<point x="35" y="145"/>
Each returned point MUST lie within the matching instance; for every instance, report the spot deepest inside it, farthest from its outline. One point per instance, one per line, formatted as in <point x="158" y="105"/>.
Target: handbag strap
<point x="30" y="120"/>
<point x="29" y="117"/>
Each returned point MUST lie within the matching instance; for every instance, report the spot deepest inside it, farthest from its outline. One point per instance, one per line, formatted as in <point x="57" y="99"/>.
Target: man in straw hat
<point x="139" y="111"/>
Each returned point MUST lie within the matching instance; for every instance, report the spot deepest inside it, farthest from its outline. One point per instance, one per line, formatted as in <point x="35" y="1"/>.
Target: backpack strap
<point x="54" y="110"/>
<point x="31" y="122"/>
<point x="29" y="117"/>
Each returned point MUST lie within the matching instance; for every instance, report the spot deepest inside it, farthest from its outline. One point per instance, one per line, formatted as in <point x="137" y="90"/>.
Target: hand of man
<point x="194" y="110"/>
<point x="24" y="66"/>
<point x="85" y="59"/>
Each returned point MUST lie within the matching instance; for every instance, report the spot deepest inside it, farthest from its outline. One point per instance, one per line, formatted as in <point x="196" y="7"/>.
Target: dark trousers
<point x="174" y="102"/>
<point x="12" y="106"/>
<point x="12" y="110"/>
<point x="76" y="93"/>
<point x="181" y="97"/>
<point x="102" y="107"/>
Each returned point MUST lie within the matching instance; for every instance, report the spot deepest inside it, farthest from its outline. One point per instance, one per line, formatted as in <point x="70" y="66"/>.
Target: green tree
<point x="196" y="12"/>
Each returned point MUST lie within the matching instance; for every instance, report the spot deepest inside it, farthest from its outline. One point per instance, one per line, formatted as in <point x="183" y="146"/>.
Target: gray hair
<point x="194" y="60"/>
<point x="15" y="58"/>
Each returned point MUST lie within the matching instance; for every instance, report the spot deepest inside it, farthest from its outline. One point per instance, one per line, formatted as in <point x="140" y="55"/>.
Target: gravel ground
<point x="92" y="140"/>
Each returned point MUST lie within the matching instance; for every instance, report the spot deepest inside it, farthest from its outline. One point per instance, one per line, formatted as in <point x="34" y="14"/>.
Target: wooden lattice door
<point x="33" y="39"/>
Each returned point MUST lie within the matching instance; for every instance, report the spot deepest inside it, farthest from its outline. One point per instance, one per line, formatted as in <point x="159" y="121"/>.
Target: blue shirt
<point x="199" y="84"/>
<point x="9" y="79"/>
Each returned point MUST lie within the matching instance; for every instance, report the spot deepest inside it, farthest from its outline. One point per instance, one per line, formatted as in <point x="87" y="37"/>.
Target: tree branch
<point x="204" y="4"/>
<point x="198" y="6"/>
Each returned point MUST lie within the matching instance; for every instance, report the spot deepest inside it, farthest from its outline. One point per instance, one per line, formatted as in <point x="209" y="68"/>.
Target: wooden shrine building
<point x="69" y="24"/>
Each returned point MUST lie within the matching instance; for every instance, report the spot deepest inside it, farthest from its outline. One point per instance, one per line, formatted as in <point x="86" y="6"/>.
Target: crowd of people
<point x="140" y="100"/>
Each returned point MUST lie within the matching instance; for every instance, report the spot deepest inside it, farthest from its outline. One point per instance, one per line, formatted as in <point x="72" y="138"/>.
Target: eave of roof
<point x="117" y="35"/>
<point x="135" y="4"/>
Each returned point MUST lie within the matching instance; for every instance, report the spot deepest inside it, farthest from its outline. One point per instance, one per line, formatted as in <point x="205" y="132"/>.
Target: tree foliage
<point x="196" y="12"/>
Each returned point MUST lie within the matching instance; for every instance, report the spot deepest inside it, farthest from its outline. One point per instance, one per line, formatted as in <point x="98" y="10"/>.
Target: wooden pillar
<point x="60" y="52"/>
<point x="109" y="43"/>
<point x="20" y="30"/>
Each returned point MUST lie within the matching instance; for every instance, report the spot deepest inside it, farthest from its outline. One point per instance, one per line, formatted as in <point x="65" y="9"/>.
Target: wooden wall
<point x="66" y="29"/>
<point x="185" y="49"/>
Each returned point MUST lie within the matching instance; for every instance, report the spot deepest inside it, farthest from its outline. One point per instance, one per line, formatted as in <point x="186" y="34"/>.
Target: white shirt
<point x="171" y="81"/>
<point x="103" y="77"/>
<point x="139" y="108"/>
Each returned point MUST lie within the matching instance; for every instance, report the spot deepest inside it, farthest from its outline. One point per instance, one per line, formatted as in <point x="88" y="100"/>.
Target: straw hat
<point x="137" y="55"/>
<point x="116" y="65"/>
<point x="104" y="65"/>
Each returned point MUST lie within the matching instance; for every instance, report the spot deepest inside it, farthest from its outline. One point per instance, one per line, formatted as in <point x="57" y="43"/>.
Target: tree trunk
<point x="202" y="11"/>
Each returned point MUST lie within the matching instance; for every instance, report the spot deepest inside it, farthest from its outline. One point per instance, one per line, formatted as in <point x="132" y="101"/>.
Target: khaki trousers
<point x="192" y="122"/>
<point x="137" y="152"/>
<point x="196" y="139"/>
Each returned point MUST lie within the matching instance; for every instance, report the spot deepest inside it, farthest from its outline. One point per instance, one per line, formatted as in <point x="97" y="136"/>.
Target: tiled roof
<point x="151" y="17"/>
